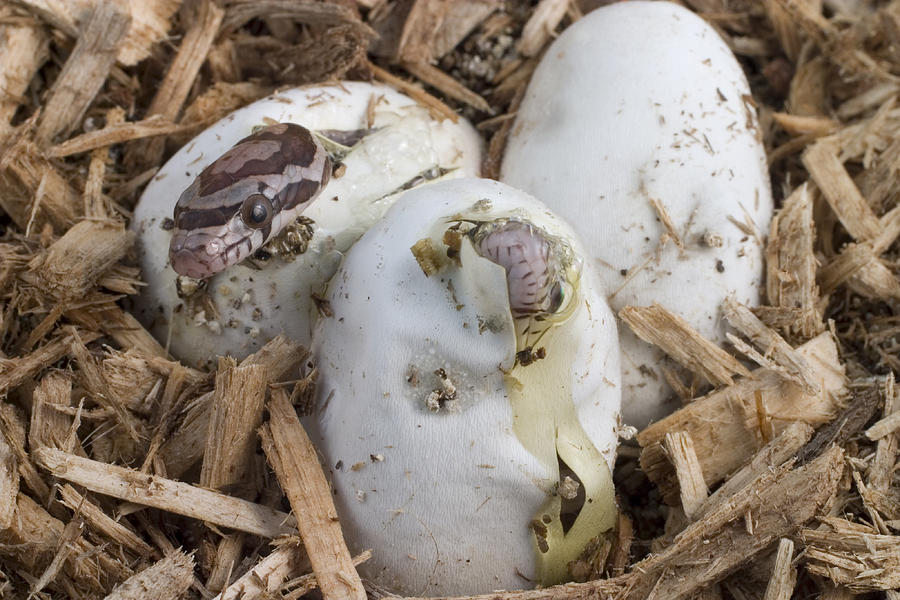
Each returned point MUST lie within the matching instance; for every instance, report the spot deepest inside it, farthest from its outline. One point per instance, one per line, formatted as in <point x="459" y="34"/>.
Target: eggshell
<point x="445" y="499"/>
<point x="247" y="306"/>
<point x="640" y="102"/>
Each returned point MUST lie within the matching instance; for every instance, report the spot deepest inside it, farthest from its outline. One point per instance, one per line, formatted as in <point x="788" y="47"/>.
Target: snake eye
<point x="257" y="211"/>
<point x="557" y="295"/>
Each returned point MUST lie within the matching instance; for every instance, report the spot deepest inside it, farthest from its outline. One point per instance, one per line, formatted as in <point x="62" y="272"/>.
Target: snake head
<point x="247" y="195"/>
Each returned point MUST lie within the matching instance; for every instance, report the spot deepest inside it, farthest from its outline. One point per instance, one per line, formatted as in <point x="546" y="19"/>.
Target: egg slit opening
<point x="571" y="493"/>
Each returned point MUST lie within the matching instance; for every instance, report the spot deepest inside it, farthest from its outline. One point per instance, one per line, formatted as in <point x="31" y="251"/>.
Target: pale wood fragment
<point x="179" y="79"/>
<point x="423" y="19"/>
<point x="843" y="196"/>
<point x="773" y="454"/>
<point x="791" y="265"/>
<point x="23" y="49"/>
<point x="237" y="409"/>
<point x="73" y="264"/>
<point x="540" y="26"/>
<point x="85" y="70"/>
<point x="65" y="546"/>
<point x="121" y="326"/>
<point x="169" y="577"/>
<point x="656" y="325"/>
<point x="304" y="584"/>
<point x="165" y="494"/>
<point x="787" y="360"/>
<point x="293" y="457"/>
<point x="875" y="280"/>
<point x="883" y="465"/>
<point x="784" y="575"/>
<point x="447" y="84"/>
<point x="50" y="426"/>
<point x="851" y="556"/>
<point x="803" y="125"/>
<point x="13" y="371"/>
<point x="34" y="192"/>
<point x="266" y="577"/>
<point x="99" y="521"/>
<point x="725" y="425"/>
<point x="680" y="449"/>
<point x="461" y="18"/>
<point x="115" y="133"/>
<point x="188" y="442"/>
<point x="9" y="484"/>
<point x="436" y="108"/>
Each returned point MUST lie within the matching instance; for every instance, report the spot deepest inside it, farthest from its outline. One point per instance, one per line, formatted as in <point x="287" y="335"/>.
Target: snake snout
<point x="190" y="255"/>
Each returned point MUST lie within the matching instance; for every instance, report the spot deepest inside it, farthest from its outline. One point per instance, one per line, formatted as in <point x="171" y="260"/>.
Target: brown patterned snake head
<point x="245" y="197"/>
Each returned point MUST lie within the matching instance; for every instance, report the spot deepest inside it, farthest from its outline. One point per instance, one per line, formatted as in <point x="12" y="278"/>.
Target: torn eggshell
<point x="468" y="394"/>
<point x="638" y="127"/>
<point x="400" y="145"/>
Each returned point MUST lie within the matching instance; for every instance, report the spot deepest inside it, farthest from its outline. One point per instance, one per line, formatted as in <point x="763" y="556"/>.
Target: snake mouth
<point x="190" y="256"/>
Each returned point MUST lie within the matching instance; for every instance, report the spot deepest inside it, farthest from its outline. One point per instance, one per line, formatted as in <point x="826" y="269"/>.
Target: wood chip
<point x="656" y="325"/>
<point x="266" y="577"/>
<point x="884" y="464"/>
<point x="438" y="109"/>
<point x="540" y="26"/>
<point x="784" y="575"/>
<point x="115" y="134"/>
<point x="449" y="86"/>
<point x="843" y="196"/>
<point x="86" y="69"/>
<point x="680" y="449"/>
<point x="9" y="484"/>
<point x="165" y="494"/>
<point x="169" y="577"/>
<point x="726" y="425"/>
<point x="787" y="360"/>
<point x="859" y="560"/>
<point x="23" y="49"/>
<point x="174" y="89"/>
<point x="103" y="523"/>
<point x="74" y="263"/>
<point x="294" y="459"/>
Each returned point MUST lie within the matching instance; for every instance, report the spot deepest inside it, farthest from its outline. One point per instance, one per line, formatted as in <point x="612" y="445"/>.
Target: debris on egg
<point x="653" y="153"/>
<point x="473" y="349"/>
<point x="385" y="144"/>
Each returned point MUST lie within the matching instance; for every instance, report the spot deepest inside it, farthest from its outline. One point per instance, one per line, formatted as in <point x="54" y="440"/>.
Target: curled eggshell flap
<point x="247" y="306"/>
<point x="638" y="128"/>
<point x="446" y="497"/>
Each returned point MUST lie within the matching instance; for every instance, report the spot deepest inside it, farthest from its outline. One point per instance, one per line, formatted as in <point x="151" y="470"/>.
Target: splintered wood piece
<point x="293" y="457"/>
<point x="680" y="449"/>
<point x="85" y="70"/>
<point x="285" y="562"/>
<point x="94" y="201"/>
<point x="848" y="263"/>
<point x="656" y="325"/>
<point x="883" y="466"/>
<point x="773" y="454"/>
<point x="186" y="445"/>
<point x="447" y="84"/>
<point x="436" y="108"/>
<point x="461" y="18"/>
<point x="175" y="86"/>
<point x="540" y="26"/>
<point x="726" y="424"/>
<point x="884" y="427"/>
<point x="115" y="134"/>
<point x="23" y="49"/>
<point x="13" y="371"/>
<point x="784" y="575"/>
<point x="65" y="546"/>
<point x="50" y="426"/>
<point x="121" y="326"/>
<point x="34" y="192"/>
<point x="304" y="584"/>
<point x="237" y="408"/>
<point x="850" y="557"/>
<point x="165" y="494"/>
<point x="9" y="484"/>
<point x="99" y="521"/>
<point x="875" y="280"/>
<point x="800" y="125"/>
<point x="788" y="361"/>
<point x="169" y="577"/>
<point x="423" y="19"/>
<point x="843" y="196"/>
<point x="73" y="264"/>
<point x="12" y="428"/>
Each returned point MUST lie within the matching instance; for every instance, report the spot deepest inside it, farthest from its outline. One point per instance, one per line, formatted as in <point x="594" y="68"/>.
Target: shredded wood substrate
<point x="778" y="478"/>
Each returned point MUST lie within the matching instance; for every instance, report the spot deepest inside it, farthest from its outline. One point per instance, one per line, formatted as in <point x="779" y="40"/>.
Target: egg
<point x="468" y="393"/>
<point x="638" y="128"/>
<point x="384" y="143"/>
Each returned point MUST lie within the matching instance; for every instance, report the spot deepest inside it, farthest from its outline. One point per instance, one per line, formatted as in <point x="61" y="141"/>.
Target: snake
<point x="245" y="197"/>
<point x="249" y="194"/>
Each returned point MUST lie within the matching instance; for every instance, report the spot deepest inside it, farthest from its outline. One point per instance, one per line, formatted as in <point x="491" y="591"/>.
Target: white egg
<point x="445" y="448"/>
<point x="636" y="103"/>
<point x="245" y="306"/>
